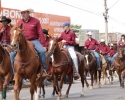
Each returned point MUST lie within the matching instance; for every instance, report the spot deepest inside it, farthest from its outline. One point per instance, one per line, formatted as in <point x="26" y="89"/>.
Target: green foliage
<point x="76" y="26"/>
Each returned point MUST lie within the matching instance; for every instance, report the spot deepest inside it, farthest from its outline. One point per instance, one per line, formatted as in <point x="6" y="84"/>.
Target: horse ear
<point x="21" y="26"/>
<point x="11" y="26"/>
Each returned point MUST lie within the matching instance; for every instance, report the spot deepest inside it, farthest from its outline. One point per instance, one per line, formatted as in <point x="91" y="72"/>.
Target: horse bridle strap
<point x="62" y="63"/>
<point x="25" y="64"/>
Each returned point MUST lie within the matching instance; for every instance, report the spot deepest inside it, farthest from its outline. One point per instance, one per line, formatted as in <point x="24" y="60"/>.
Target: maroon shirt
<point x="121" y="43"/>
<point x="5" y="36"/>
<point x="46" y="42"/>
<point x="69" y="37"/>
<point x="103" y="48"/>
<point x="91" y="45"/>
<point x="111" y="52"/>
<point x="32" y="29"/>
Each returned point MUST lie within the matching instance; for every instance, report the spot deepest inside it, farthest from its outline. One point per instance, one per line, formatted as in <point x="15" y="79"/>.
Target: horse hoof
<point x="58" y="98"/>
<point x="53" y="95"/>
<point x="91" y="87"/>
<point x="122" y="86"/>
<point x="82" y="95"/>
<point x="66" y="96"/>
<point x="111" y="82"/>
<point x="87" y="85"/>
<point x="3" y="99"/>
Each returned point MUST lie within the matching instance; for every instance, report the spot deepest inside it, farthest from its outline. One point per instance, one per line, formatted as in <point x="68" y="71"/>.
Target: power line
<point x="99" y="14"/>
<point x="114" y="4"/>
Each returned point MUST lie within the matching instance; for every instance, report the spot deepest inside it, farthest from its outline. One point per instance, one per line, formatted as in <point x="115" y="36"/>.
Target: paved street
<point x="106" y="92"/>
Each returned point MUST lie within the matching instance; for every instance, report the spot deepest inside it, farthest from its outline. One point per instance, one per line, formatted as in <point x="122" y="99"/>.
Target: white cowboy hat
<point x="111" y="44"/>
<point x="102" y="40"/>
<point x="89" y="33"/>
<point x="25" y="9"/>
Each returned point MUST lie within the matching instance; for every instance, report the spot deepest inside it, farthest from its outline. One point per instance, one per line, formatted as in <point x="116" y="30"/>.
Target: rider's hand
<point x="64" y="41"/>
<point x="2" y="30"/>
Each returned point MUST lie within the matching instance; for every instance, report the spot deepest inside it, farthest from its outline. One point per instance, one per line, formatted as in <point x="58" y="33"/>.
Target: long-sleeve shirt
<point x="111" y="52"/>
<point x="46" y="42"/>
<point x="121" y="43"/>
<point x="32" y="29"/>
<point x="91" y="45"/>
<point x="69" y="37"/>
<point x="5" y="36"/>
<point x="103" y="48"/>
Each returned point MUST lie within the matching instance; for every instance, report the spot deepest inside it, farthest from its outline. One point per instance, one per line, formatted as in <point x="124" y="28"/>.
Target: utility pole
<point x="106" y="21"/>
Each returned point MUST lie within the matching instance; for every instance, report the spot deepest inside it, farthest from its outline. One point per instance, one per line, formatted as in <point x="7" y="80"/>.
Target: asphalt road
<point x="106" y="92"/>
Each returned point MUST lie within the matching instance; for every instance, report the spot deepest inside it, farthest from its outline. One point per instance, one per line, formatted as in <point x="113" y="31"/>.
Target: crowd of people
<point x="40" y="37"/>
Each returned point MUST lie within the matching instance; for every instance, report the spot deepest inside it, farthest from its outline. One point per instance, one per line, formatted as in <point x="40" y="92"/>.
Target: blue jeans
<point x="97" y="57"/>
<point x="113" y="58"/>
<point x="109" y="59"/>
<point x="38" y="48"/>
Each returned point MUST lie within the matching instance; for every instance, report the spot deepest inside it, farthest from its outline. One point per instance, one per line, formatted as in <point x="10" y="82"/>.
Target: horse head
<point x="120" y="51"/>
<point x="16" y="36"/>
<point x="52" y="46"/>
<point x="88" y="57"/>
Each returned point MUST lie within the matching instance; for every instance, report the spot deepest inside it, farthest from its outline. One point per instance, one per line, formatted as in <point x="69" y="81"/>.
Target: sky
<point x="89" y="20"/>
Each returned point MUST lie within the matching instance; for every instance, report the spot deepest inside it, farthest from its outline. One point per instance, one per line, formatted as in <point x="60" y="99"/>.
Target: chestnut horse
<point x="61" y="65"/>
<point x="27" y="63"/>
<point x="91" y="66"/>
<point x="119" y="65"/>
<point x="5" y="71"/>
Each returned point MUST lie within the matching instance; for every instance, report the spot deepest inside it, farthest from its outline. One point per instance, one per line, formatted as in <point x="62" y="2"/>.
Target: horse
<point x="119" y="65"/>
<point x="27" y="63"/>
<point x="105" y="70"/>
<point x="91" y="66"/>
<point x="61" y="66"/>
<point x="5" y="71"/>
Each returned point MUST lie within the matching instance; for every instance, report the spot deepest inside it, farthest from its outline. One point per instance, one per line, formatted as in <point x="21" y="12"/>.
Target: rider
<point x="33" y="32"/>
<point x="5" y="30"/>
<point x="121" y="42"/>
<point x="45" y="43"/>
<point x="68" y="38"/>
<point x="104" y="50"/>
<point x="91" y="45"/>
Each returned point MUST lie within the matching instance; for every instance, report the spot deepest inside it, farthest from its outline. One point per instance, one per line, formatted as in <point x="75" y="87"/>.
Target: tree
<point x="76" y="26"/>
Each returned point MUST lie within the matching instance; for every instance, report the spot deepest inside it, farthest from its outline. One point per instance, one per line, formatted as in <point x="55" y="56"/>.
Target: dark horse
<point x="27" y="63"/>
<point x="61" y="65"/>
<point x="91" y="66"/>
<point x="119" y="65"/>
<point x="5" y="71"/>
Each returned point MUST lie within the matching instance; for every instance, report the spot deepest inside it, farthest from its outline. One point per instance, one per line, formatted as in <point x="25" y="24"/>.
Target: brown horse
<point x="119" y="65"/>
<point x="27" y="63"/>
<point x="5" y="71"/>
<point x="91" y="66"/>
<point x="105" y="70"/>
<point x="61" y="65"/>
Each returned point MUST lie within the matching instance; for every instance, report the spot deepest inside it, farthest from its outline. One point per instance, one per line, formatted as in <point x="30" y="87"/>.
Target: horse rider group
<point x="34" y="33"/>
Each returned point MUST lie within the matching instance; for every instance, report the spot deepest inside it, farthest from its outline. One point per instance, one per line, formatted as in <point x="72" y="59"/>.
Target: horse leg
<point x="104" y="76"/>
<point x="111" y="76"/>
<point x="60" y="86"/>
<point x="33" y="87"/>
<point x="70" y="79"/>
<point x="1" y="87"/>
<point x="87" y="84"/>
<point x="91" y="87"/>
<point x="122" y="79"/>
<point x="108" y="76"/>
<point x="17" y="86"/>
<point x="99" y="80"/>
<point x="43" y="91"/>
<point x="82" y="81"/>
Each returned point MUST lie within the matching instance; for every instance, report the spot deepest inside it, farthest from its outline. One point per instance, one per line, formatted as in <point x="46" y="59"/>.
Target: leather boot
<point x="75" y="74"/>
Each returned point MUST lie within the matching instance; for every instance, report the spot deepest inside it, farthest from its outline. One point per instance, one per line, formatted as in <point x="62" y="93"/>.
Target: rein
<point x="2" y="59"/>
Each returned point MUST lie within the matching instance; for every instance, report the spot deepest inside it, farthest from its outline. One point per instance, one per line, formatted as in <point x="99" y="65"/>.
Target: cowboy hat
<point x="4" y="18"/>
<point x="29" y="10"/>
<point x="111" y="45"/>
<point x="45" y="31"/>
<point x="89" y="33"/>
<point x="65" y="24"/>
<point x="102" y="40"/>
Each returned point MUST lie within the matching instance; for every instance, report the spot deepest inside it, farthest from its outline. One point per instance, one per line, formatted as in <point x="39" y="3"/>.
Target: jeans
<point x="73" y="55"/>
<point x="97" y="57"/>
<point x="38" y="48"/>
<point x="109" y="59"/>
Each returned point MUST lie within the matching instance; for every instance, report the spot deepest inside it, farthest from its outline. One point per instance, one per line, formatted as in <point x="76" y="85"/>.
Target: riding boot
<point x="75" y="74"/>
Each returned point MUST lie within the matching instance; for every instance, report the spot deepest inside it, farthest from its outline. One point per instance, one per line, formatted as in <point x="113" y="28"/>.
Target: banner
<point x="48" y="21"/>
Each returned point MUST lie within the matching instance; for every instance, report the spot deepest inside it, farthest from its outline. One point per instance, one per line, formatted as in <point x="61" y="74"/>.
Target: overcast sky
<point x="93" y="20"/>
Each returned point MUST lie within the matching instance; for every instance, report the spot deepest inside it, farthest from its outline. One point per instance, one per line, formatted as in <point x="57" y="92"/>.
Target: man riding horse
<point x="91" y="45"/>
<point x="68" y="38"/>
<point x="33" y="32"/>
<point x="120" y="43"/>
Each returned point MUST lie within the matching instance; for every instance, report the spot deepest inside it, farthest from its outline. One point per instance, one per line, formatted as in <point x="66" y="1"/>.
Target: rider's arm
<point x="72" y="41"/>
<point x="60" y="38"/>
